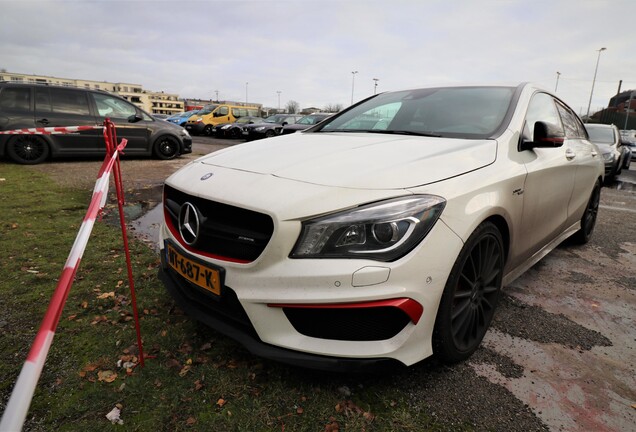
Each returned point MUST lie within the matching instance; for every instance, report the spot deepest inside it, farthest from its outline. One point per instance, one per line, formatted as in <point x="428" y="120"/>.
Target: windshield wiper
<point x="405" y="132"/>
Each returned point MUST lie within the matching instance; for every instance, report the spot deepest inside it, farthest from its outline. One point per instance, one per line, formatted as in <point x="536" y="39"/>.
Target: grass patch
<point x="196" y="378"/>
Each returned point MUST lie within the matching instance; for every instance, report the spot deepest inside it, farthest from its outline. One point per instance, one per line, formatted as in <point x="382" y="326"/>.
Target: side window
<point x="222" y="111"/>
<point x="42" y="100"/>
<point x="541" y="108"/>
<point x="69" y="102"/>
<point x="16" y="99"/>
<point x="570" y="122"/>
<point x="108" y="106"/>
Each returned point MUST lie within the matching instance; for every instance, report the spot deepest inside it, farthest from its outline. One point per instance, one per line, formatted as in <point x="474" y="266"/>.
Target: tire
<point x="270" y="133"/>
<point x="166" y="147"/>
<point x="27" y="149"/>
<point x="235" y="133"/>
<point x="588" y="221"/>
<point x="470" y="296"/>
<point x="208" y="130"/>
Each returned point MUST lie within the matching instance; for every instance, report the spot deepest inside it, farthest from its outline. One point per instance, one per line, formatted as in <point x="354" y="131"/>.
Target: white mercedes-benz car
<point x="384" y="234"/>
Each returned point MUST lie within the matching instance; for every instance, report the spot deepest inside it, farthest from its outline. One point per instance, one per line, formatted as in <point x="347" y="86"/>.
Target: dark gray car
<point x="25" y="106"/>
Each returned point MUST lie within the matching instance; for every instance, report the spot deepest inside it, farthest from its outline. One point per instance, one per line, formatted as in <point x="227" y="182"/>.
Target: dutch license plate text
<point x="200" y="275"/>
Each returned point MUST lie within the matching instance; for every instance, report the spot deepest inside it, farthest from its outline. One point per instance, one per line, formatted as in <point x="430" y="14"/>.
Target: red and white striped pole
<point x="20" y="400"/>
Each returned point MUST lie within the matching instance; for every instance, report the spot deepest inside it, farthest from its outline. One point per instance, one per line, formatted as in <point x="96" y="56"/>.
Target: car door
<point x="549" y="181"/>
<point x="58" y="107"/>
<point x="130" y="122"/>
<point x="586" y="158"/>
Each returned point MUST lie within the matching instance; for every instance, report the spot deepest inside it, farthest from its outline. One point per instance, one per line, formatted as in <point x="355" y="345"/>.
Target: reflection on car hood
<point x="363" y="161"/>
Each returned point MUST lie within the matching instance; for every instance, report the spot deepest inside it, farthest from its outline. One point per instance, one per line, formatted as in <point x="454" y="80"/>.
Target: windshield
<point x="207" y="109"/>
<point x="311" y="119"/>
<point x="456" y="112"/>
<point x="276" y="118"/>
<point x="602" y="135"/>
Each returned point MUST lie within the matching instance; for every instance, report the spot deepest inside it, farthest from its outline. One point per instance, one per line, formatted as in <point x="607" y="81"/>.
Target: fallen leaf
<point x="299" y="410"/>
<point x="197" y="385"/>
<point x="190" y="421"/>
<point x="185" y="370"/>
<point x="221" y="402"/>
<point x="113" y="416"/>
<point x="106" y="376"/>
<point x="106" y="295"/>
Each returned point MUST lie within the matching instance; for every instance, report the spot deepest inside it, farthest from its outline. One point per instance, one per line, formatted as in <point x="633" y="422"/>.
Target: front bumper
<point x="195" y="128"/>
<point x="217" y="317"/>
<point x="187" y="145"/>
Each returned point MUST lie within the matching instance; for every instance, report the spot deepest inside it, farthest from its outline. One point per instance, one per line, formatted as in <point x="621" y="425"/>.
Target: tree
<point x="292" y="107"/>
<point x="333" y="108"/>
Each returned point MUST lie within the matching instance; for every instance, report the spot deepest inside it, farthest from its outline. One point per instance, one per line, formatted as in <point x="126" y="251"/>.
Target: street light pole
<point x="279" y="92"/>
<point x="375" y="85"/>
<point x="587" y="117"/>
<point x="557" y="82"/>
<point x="353" y="80"/>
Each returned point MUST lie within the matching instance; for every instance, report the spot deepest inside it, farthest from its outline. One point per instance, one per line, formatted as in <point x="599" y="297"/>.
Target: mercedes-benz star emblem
<point x="206" y="176"/>
<point x="189" y="223"/>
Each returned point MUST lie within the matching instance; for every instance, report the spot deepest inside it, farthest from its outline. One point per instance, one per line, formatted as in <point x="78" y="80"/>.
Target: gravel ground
<point x="561" y="352"/>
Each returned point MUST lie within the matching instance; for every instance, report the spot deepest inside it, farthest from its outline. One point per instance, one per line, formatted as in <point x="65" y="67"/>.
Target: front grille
<point x="225" y="232"/>
<point x="348" y="324"/>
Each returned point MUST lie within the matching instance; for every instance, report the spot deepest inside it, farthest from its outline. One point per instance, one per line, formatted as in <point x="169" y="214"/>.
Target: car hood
<point x="358" y="160"/>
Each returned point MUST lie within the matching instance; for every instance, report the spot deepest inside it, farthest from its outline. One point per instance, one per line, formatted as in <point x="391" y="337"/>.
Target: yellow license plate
<point x="201" y="275"/>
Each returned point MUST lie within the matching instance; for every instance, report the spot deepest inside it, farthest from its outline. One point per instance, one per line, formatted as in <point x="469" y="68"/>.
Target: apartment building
<point x="150" y="101"/>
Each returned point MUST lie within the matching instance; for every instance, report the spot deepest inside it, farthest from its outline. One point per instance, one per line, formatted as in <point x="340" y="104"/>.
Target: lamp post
<point x="375" y="85"/>
<point x="246" y="92"/>
<point x="279" y="92"/>
<point x="557" y="82"/>
<point x="353" y="80"/>
<point x="587" y="117"/>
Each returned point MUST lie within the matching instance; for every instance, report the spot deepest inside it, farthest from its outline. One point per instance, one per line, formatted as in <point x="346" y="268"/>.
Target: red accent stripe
<point x="409" y="306"/>
<point x="53" y="313"/>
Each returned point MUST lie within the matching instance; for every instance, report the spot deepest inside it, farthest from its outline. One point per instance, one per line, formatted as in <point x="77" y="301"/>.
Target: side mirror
<point x="134" y="118"/>
<point x="546" y="135"/>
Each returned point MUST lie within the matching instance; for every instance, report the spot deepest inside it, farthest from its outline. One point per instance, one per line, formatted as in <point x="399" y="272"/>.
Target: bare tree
<point x="333" y="108"/>
<point x="292" y="107"/>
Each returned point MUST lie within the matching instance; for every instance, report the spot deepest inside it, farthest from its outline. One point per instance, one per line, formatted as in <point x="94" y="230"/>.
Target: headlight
<point x="260" y="128"/>
<point x="185" y="132"/>
<point x="199" y="120"/>
<point x="383" y="231"/>
<point x="609" y="157"/>
<point x="226" y="127"/>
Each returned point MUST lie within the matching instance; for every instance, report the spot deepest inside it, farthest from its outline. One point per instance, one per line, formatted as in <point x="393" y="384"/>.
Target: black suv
<point x="41" y="105"/>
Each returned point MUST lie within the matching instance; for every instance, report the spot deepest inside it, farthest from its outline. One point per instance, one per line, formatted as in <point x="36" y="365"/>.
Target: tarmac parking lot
<point x="563" y="343"/>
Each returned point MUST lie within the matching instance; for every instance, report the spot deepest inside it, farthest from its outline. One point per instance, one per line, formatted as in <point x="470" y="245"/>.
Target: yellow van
<point x="211" y="115"/>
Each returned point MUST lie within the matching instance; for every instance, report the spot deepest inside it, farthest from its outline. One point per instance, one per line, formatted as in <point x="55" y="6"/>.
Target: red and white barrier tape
<point x="18" y="405"/>
<point x="49" y="130"/>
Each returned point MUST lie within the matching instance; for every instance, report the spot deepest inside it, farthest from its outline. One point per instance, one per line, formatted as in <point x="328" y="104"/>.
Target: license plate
<point x="201" y="275"/>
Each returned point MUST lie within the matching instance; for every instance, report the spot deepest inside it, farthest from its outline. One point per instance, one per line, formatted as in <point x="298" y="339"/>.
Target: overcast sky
<point x="308" y="49"/>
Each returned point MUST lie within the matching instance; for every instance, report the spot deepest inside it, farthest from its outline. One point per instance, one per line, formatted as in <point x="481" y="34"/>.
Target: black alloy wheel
<point x="588" y="221"/>
<point x="270" y="133"/>
<point x="27" y="149"/>
<point x="208" y="130"/>
<point x="166" y="147"/>
<point x="470" y="296"/>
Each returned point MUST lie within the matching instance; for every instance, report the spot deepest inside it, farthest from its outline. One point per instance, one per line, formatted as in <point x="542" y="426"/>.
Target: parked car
<point x="37" y="105"/>
<point x="235" y="130"/>
<point x="270" y="127"/>
<point x="214" y="114"/>
<point x="615" y="155"/>
<point x="628" y="138"/>
<point x="344" y="248"/>
<point x="304" y="123"/>
<point x="181" y="118"/>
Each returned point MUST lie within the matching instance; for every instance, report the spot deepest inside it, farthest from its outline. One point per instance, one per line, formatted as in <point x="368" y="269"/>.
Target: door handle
<point x="594" y="153"/>
<point x="43" y="121"/>
<point x="569" y="154"/>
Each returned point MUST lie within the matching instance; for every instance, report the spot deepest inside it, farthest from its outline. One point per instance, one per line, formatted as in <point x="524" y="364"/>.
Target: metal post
<point x="279" y="92"/>
<point x="246" y="93"/>
<point x="629" y="105"/>
<point x="557" y="82"/>
<point x="353" y="80"/>
<point x="587" y="117"/>
<point x="375" y="85"/>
